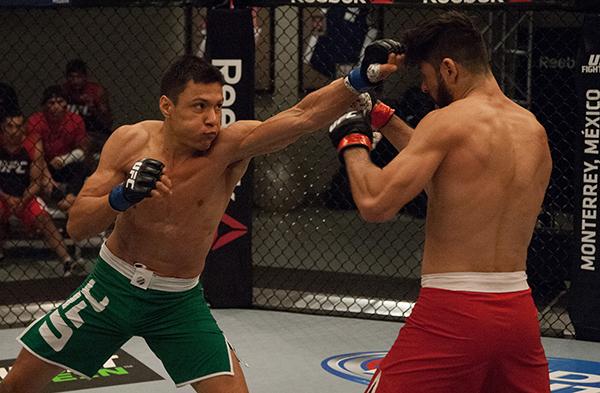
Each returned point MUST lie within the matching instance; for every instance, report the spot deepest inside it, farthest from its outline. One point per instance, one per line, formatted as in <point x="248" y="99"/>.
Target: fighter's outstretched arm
<point x="314" y="112"/>
<point x="380" y="193"/>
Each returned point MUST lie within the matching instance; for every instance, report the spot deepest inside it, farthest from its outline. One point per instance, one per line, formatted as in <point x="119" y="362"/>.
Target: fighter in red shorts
<point x="20" y="177"/>
<point x="485" y="164"/>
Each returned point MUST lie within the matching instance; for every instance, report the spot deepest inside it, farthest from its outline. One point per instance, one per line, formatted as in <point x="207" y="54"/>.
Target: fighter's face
<point x="196" y="117"/>
<point x="433" y="84"/>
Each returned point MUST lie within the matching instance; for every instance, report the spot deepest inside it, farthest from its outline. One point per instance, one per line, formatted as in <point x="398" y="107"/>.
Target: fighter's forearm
<point x="397" y="132"/>
<point x="323" y="106"/>
<point x="366" y="185"/>
<point x="89" y="216"/>
<point x="315" y="111"/>
<point x="376" y="195"/>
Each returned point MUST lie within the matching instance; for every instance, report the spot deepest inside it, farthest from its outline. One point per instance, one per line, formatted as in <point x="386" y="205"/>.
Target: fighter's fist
<point x="139" y="184"/>
<point x="352" y="129"/>
<point x="377" y="113"/>
<point x="369" y="74"/>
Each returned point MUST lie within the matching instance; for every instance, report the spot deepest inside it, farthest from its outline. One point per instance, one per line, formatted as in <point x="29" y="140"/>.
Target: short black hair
<point x="188" y="68"/>
<point x="9" y="113"/>
<point x="8" y="97"/>
<point x="76" y="65"/>
<point x="52" y="92"/>
<point x="453" y="35"/>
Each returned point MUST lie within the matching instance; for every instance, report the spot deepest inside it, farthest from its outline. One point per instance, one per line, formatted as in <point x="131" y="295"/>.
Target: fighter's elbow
<point x="75" y="231"/>
<point x="372" y="211"/>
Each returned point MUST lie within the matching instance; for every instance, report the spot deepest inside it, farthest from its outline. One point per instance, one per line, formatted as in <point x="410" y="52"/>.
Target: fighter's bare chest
<point x="196" y="192"/>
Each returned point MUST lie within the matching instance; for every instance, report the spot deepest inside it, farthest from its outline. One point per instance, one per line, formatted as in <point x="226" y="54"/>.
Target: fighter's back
<point x="486" y="195"/>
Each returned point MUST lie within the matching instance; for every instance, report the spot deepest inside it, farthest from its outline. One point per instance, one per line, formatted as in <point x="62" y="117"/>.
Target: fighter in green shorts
<point x="165" y="209"/>
<point x="110" y="307"/>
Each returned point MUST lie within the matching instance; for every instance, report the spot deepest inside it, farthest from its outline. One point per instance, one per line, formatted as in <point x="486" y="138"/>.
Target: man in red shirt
<point x="90" y="101"/>
<point x="65" y="143"/>
<point x="20" y="173"/>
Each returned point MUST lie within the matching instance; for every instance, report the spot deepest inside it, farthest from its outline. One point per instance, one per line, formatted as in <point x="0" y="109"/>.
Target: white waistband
<point x="495" y="282"/>
<point x="160" y="283"/>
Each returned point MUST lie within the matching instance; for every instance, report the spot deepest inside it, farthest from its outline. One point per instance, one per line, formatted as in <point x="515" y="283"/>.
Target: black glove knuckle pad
<point x="378" y="52"/>
<point x="142" y="181"/>
<point x="351" y="123"/>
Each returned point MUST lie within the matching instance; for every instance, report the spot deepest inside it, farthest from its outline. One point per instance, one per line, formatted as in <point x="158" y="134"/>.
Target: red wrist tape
<point x="381" y="115"/>
<point x="353" y="140"/>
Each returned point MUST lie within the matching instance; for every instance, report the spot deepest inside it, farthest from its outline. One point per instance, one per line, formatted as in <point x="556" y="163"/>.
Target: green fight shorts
<point x="118" y="301"/>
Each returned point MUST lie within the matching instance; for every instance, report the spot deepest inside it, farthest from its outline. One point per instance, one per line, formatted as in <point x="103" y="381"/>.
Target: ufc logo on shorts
<point x="58" y="342"/>
<point x="133" y="175"/>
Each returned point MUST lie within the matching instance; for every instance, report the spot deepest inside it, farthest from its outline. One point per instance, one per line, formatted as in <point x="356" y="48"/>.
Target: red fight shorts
<point x="28" y="216"/>
<point x="467" y="342"/>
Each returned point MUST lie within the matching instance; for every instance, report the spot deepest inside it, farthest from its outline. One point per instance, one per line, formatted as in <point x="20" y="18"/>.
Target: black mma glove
<point x="141" y="181"/>
<point x="352" y="129"/>
<point x="367" y="76"/>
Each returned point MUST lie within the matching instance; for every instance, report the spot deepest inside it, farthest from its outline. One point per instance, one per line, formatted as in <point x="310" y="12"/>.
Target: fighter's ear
<point x="166" y="106"/>
<point x="449" y="70"/>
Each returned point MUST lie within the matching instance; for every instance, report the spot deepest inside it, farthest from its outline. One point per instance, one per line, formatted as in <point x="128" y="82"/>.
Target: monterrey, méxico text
<point x="589" y="201"/>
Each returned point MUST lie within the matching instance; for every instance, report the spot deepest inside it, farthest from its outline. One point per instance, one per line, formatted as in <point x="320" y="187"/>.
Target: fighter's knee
<point x="227" y="386"/>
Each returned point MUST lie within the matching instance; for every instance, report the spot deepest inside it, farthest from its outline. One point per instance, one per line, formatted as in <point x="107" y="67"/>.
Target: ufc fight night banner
<point x="584" y="296"/>
<point x="227" y="278"/>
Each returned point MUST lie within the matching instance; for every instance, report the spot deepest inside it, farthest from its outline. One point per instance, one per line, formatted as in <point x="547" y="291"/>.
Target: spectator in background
<point x="90" y="101"/>
<point x="65" y="145"/>
<point x="21" y="171"/>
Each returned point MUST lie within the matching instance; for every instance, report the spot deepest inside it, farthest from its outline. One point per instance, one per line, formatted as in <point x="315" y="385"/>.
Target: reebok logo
<point x="593" y="65"/>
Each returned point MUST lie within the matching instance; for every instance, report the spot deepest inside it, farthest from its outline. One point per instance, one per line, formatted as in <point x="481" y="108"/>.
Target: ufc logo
<point x="19" y="167"/>
<point x="133" y="175"/>
<point x="593" y="65"/>
<point x="349" y="115"/>
<point x="58" y="342"/>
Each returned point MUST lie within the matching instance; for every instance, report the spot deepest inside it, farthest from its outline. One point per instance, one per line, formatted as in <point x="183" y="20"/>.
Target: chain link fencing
<point x="311" y="251"/>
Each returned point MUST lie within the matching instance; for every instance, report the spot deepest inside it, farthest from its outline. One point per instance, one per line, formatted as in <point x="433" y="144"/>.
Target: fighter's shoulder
<point x="442" y="118"/>
<point x="130" y="138"/>
<point x="441" y="127"/>
<point x="138" y="133"/>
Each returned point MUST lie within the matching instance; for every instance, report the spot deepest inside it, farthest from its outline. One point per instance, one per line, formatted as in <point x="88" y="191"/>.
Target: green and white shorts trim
<point x="107" y="310"/>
